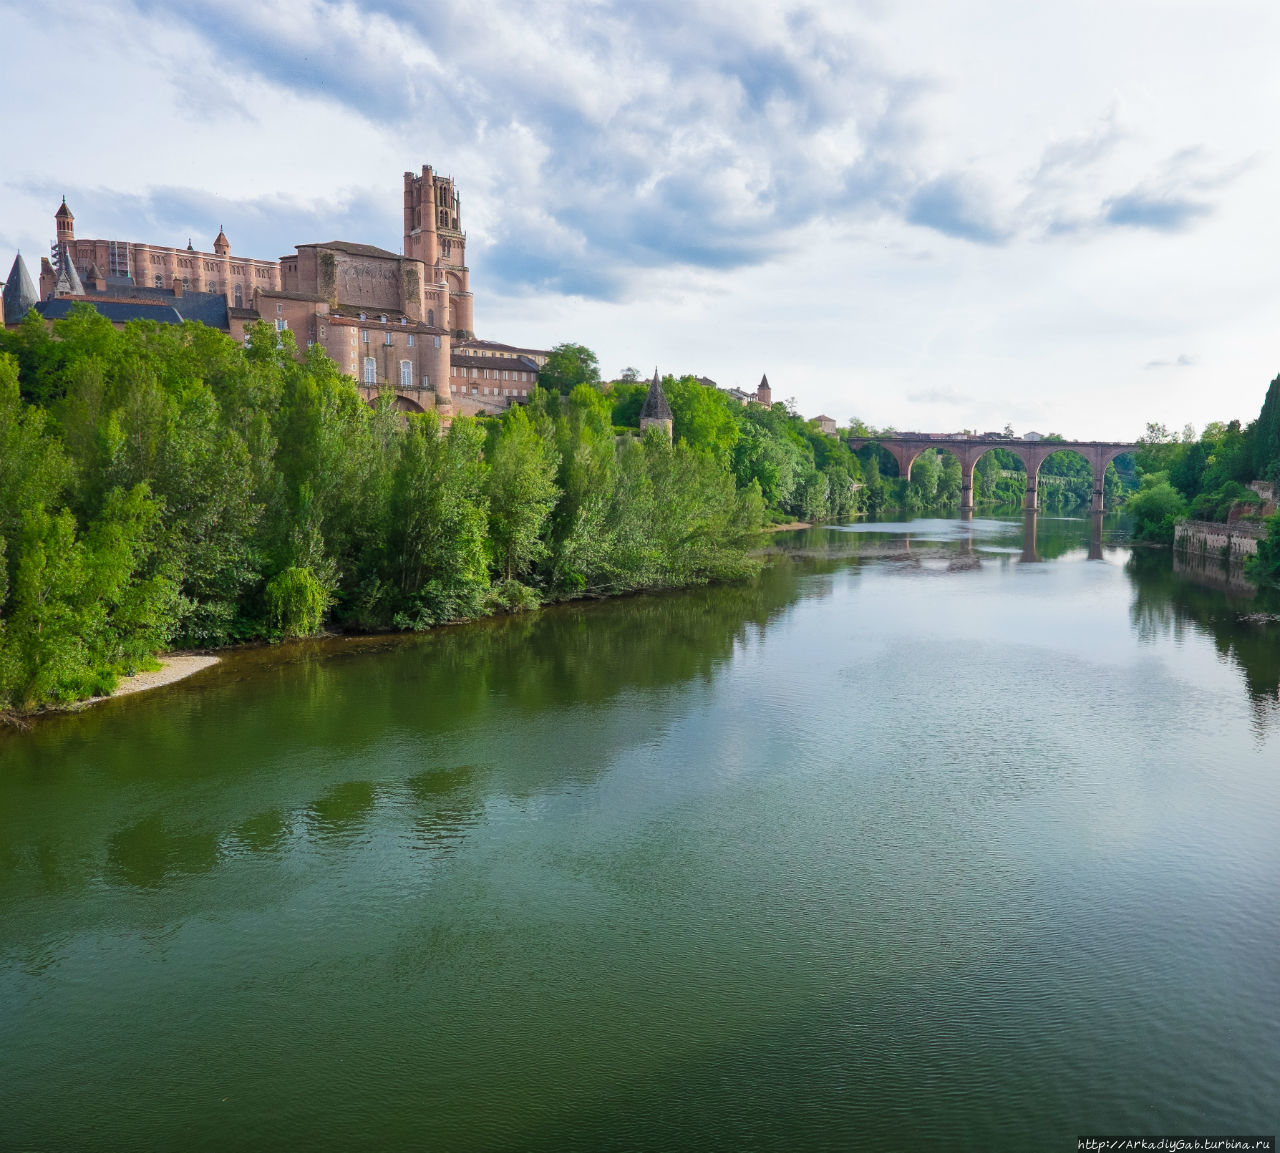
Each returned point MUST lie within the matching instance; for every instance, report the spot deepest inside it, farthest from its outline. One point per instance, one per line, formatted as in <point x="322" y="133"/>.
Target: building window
<point x="431" y="317"/>
<point x="160" y="284"/>
<point x="406" y="374"/>
<point x="411" y="340"/>
<point x="279" y="309"/>
<point x="322" y="331"/>
<point x="382" y="320"/>
<point x="239" y="296"/>
<point x="186" y="284"/>
<point x="364" y="335"/>
<point x="363" y="317"/>
<point x="386" y="338"/>
<point x="370" y="370"/>
<point x="280" y="324"/>
<point x="403" y="321"/>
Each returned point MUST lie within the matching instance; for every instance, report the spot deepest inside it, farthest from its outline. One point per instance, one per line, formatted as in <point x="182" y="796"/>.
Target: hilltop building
<point x="400" y="321"/>
<point x="656" y="410"/>
<point x="762" y="395"/>
<point x="403" y="321"/>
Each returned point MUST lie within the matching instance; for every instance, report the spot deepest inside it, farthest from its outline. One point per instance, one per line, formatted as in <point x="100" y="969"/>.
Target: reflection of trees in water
<point x="300" y="745"/>
<point x="1244" y="625"/>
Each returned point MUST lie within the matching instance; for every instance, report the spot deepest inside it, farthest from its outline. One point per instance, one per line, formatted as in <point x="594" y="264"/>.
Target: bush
<point x="1156" y="508"/>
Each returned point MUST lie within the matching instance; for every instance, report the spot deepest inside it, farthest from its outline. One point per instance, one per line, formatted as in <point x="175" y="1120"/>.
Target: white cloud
<point x="952" y="215"/>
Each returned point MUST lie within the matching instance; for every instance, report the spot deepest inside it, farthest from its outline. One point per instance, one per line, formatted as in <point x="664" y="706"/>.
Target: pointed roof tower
<point x="655" y="403"/>
<point x="68" y="282"/>
<point x="221" y="245"/>
<point x="63" y="213"/>
<point x="20" y="294"/>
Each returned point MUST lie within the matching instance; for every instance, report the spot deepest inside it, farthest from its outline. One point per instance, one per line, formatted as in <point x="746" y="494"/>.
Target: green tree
<point x="522" y="492"/>
<point x="568" y="366"/>
<point x="1156" y="508"/>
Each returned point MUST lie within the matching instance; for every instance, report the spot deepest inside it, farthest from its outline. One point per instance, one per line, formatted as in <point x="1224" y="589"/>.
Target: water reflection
<point x="341" y="811"/>
<point x="150" y="852"/>
<point x="151" y="790"/>
<point x="1030" y="554"/>
<point x="1243" y="623"/>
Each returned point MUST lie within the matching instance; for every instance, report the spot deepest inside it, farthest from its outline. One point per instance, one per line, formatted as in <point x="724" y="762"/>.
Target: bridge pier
<point x="1031" y="502"/>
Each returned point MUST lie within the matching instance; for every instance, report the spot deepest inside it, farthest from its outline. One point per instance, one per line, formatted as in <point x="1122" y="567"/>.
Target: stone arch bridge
<point x="968" y="450"/>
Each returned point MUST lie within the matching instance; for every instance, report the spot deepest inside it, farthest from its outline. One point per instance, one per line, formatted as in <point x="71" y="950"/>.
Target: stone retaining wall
<point x="1231" y="542"/>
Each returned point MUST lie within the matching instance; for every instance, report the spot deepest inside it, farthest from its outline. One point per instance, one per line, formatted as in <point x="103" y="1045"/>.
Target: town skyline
<point x="926" y="219"/>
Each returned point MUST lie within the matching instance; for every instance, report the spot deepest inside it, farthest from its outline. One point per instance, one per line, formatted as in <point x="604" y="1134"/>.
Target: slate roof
<point x="353" y="249"/>
<point x="116" y="311"/>
<point x="496" y="347"/>
<point x="209" y="308"/>
<point x="19" y="292"/>
<point x="655" y="403"/>
<point x="63" y="213"/>
<point x="512" y="363"/>
<point x="68" y="282"/>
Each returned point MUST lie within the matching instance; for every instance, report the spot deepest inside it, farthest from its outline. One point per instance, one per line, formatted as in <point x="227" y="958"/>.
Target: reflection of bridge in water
<point x="968" y="450"/>
<point x="968" y="555"/>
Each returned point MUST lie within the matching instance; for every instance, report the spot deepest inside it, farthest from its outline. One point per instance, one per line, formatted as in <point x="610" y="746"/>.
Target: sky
<point x="930" y="214"/>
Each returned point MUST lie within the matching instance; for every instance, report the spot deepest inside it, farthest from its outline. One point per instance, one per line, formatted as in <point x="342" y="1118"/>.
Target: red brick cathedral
<point x="398" y="321"/>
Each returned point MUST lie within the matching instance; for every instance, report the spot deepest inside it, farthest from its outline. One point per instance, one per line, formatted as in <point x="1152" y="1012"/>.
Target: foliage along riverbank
<point x="163" y="487"/>
<point x="1205" y="477"/>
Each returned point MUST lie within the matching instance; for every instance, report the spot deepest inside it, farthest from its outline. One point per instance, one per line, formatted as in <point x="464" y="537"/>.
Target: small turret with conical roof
<point x="221" y="245"/>
<point x="20" y="294"/>
<point x="764" y="394"/>
<point x="65" y="223"/>
<point x="656" y="410"/>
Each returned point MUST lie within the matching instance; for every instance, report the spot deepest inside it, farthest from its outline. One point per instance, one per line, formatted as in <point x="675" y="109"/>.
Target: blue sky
<point x="934" y="215"/>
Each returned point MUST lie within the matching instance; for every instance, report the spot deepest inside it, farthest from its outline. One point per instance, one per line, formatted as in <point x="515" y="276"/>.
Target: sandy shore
<point x="172" y="669"/>
<point x="791" y="526"/>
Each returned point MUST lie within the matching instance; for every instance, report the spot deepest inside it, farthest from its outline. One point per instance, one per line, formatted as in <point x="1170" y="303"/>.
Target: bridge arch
<point x="968" y="450"/>
<point x="401" y="401"/>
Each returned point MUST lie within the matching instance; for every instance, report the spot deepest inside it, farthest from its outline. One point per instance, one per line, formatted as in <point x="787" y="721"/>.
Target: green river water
<point x="928" y="839"/>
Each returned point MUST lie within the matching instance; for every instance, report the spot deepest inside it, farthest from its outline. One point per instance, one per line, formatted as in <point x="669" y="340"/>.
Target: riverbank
<point x="173" y="668"/>
<point x="176" y="667"/>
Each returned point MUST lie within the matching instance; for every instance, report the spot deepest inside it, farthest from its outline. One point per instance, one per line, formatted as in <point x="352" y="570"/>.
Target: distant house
<point x="762" y="395"/>
<point x="1032" y="436"/>
<point x="826" y="424"/>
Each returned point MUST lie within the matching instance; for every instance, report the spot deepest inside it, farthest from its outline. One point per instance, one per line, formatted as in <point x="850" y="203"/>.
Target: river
<point x="930" y="838"/>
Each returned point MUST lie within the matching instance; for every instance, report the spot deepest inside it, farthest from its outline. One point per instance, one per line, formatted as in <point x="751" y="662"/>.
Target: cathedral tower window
<point x="239" y="296"/>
